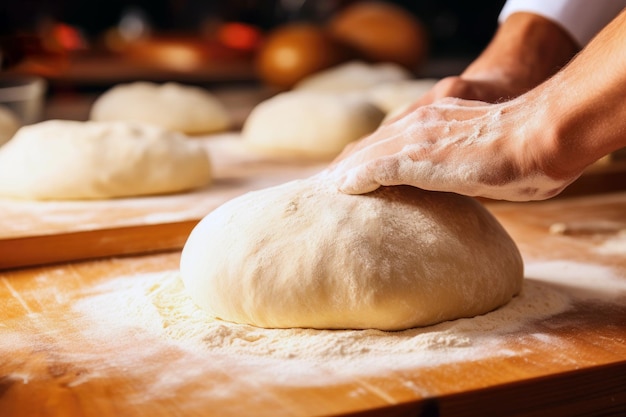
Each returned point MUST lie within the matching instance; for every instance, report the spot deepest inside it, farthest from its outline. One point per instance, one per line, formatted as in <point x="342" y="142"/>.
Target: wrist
<point x="534" y="128"/>
<point x="582" y="107"/>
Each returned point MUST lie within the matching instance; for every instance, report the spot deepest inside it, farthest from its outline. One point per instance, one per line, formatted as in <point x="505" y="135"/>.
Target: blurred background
<point x="81" y="48"/>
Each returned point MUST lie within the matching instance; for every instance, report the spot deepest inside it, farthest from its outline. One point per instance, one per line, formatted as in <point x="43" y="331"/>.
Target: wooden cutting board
<point x="119" y="337"/>
<point x="40" y="232"/>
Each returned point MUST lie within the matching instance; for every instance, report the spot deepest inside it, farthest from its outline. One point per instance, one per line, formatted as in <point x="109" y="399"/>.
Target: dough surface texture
<point x="9" y="124"/>
<point x="355" y="76"/>
<point x="307" y="124"/>
<point x="302" y="254"/>
<point x="188" y="109"/>
<point x="68" y="160"/>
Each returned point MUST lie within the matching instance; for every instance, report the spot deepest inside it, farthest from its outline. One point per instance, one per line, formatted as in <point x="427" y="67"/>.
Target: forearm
<point x="525" y="51"/>
<point x="584" y="105"/>
<point x="526" y="148"/>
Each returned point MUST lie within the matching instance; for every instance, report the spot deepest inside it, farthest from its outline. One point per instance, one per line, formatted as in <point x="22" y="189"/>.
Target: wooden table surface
<point x="119" y="336"/>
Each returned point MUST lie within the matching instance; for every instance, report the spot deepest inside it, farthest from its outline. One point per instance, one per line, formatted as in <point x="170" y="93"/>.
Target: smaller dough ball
<point x="354" y="76"/>
<point x="9" y="124"/>
<point x="309" y="124"/>
<point x="69" y="160"/>
<point x="395" y="95"/>
<point x="173" y="106"/>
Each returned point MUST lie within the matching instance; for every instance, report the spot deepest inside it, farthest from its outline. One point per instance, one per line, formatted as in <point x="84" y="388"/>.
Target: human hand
<point x="467" y="147"/>
<point x="527" y="148"/>
<point x="526" y="50"/>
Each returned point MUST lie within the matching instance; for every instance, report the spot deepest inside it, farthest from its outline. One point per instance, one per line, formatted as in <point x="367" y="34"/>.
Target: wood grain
<point x="55" y="360"/>
<point x="90" y="244"/>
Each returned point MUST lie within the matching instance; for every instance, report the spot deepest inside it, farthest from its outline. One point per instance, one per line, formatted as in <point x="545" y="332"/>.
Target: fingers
<point x="369" y="176"/>
<point x="356" y="181"/>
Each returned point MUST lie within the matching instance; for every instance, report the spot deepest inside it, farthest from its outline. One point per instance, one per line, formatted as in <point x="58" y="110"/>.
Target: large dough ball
<point x="9" y="124"/>
<point x="66" y="160"/>
<point x="354" y="76"/>
<point x="308" y="124"/>
<point x="302" y="254"/>
<point x="173" y="106"/>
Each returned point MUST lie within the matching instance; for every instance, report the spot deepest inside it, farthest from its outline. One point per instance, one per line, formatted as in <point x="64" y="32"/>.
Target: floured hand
<point x="467" y="147"/>
<point x="527" y="148"/>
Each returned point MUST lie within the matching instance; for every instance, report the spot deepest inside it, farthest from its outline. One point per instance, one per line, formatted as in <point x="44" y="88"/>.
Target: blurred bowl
<point x="23" y="95"/>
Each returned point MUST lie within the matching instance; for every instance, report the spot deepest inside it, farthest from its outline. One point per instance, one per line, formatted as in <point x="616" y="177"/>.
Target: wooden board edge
<point x="597" y="390"/>
<point x="92" y="244"/>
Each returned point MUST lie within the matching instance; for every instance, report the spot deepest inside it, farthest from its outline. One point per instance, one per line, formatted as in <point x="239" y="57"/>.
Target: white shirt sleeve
<point x="582" y="19"/>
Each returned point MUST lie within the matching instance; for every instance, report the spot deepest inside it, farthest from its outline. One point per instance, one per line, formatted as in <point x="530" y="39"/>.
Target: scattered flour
<point x="614" y="245"/>
<point x="579" y="280"/>
<point x="128" y="325"/>
<point x="594" y="227"/>
<point x="158" y="304"/>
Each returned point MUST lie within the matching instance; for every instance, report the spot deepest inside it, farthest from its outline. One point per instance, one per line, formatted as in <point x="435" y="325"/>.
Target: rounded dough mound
<point x="309" y="124"/>
<point x="302" y="254"/>
<point x="187" y="109"/>
<point x="9" y="124"/>
<point x="355" y="76"/>
<point x="68" y="160"/>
